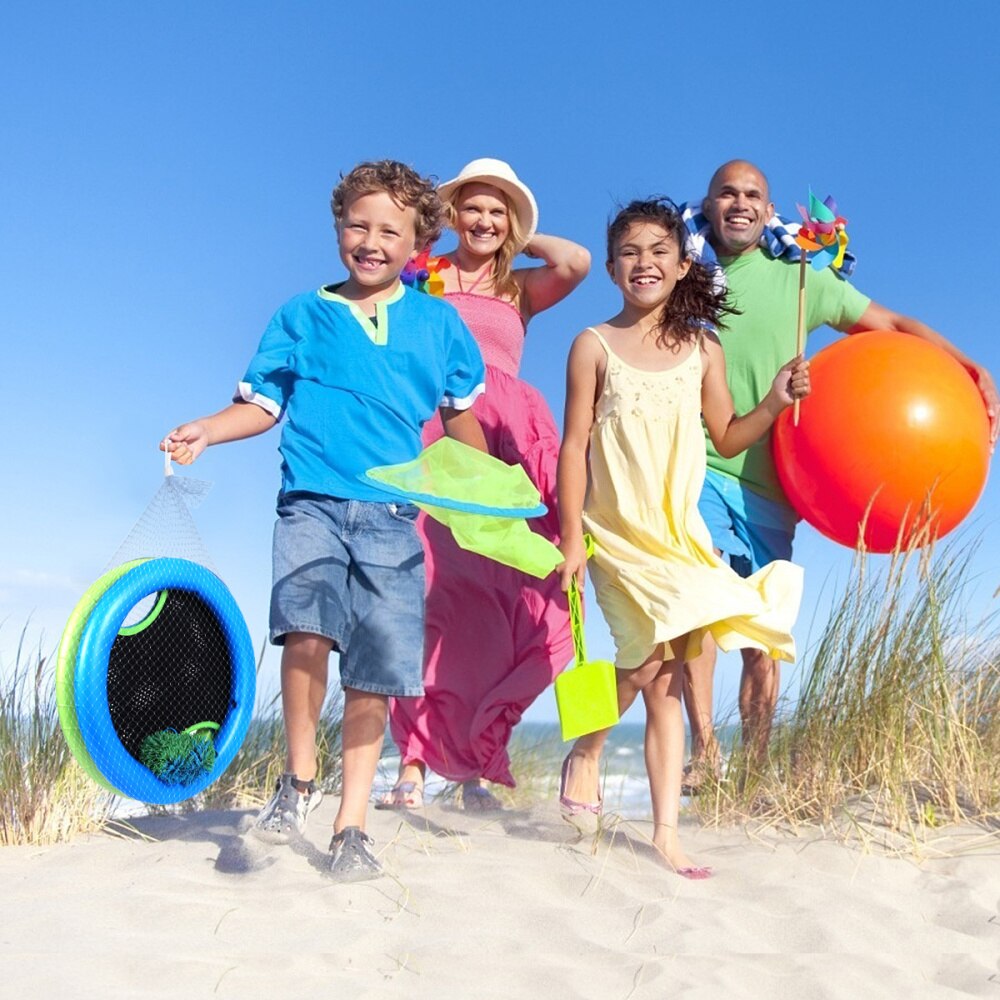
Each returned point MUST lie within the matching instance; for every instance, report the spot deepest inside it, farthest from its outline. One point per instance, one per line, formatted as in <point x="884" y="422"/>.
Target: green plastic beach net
<point x="483" y="501"/>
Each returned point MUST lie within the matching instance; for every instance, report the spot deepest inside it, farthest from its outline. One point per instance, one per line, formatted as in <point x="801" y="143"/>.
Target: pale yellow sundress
<point x="654" y="570"/>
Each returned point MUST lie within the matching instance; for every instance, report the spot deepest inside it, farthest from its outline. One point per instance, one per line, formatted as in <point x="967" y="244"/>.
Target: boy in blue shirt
<point x="355" y="369"/>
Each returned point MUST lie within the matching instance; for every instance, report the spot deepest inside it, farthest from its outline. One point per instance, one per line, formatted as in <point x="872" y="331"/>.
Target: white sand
<point x="511" y="907"/>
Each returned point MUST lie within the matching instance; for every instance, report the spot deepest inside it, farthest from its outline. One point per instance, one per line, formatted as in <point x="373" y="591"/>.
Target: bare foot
<point x="666" y="842"/>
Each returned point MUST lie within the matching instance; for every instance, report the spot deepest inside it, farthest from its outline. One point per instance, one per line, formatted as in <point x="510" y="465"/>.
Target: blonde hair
<point x="406" y="188"/>
<point x="504" y="284"/>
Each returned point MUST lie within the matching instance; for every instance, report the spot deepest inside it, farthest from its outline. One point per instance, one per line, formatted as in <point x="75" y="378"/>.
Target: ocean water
<point x="540" y="749"/>
<point x="626" y="789"/>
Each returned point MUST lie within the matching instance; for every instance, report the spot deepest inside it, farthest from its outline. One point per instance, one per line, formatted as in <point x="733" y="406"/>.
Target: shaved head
<point x="737" y="206"/>
<point x="716" y="180"/>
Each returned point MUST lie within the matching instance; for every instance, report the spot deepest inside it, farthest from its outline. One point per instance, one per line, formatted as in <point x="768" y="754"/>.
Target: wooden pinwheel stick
<point x="800" y="335"/>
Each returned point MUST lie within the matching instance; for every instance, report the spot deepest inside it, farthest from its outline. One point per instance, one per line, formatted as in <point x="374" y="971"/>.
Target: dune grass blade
<point x="251" y="777"/>
<point x="532" y="759"/>
<point x="45" y="797"/>
<point x="898" y="720"/>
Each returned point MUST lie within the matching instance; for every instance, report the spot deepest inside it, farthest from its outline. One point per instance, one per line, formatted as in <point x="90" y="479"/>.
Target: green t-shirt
<point x="761" y="339"/>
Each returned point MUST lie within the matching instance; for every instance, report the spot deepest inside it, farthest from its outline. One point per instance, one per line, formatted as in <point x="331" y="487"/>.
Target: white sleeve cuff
<point x="244" y="392"/>
<point x="466" y="401"/>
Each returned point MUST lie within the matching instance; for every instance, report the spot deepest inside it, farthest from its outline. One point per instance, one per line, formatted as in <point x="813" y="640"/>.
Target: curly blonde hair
<point x="403" y="184"/>
<point x="504" y="284"/>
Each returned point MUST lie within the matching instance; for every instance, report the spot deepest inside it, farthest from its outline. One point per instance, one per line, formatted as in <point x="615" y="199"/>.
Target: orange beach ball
<point x="892" y="422"/>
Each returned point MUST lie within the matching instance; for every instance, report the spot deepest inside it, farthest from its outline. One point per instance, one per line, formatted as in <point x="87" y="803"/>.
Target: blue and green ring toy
<point x="187" y="665"/>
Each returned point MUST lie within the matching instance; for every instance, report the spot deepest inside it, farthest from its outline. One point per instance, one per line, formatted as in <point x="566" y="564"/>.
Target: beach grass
<point x="531" y="756"/>
<point x="896" y="729"/>
<point x="45" y="796"/>
<point x="895" y="732"/>
<point x="251" y="777"/>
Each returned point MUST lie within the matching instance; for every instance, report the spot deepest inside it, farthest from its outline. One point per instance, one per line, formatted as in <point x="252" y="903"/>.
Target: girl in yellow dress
<point x="630" y="472"/>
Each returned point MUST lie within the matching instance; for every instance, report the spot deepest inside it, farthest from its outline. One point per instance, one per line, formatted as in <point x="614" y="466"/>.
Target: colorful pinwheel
<point x="421" y="273"/>
<point x="822" y="237"/>
<point x="823" y="232"/>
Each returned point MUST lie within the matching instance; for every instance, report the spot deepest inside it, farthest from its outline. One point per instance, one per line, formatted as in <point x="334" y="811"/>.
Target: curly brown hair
<point x="403" y="184"/>
<point x="697" y="301"/>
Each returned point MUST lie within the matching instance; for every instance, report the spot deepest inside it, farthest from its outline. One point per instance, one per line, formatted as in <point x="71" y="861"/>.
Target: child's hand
<point x="792" y="381"/>
<point x="186" y="443"/>
<point x="574" y="561"/>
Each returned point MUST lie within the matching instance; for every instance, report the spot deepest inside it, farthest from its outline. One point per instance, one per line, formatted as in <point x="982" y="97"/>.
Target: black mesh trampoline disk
<point x="173" y="672"/>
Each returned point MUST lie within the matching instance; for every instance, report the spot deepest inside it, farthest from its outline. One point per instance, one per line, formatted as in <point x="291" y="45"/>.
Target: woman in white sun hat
<point x="495" y="637"/>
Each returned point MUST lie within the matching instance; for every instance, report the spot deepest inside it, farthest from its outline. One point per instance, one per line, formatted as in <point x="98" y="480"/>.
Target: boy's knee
<point x="306" y="644"/>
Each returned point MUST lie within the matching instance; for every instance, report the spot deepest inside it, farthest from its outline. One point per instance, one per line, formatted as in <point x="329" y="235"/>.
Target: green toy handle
<point x="576" y="623"/>
<point x="195" y="729"/>
<point x="576" y="612"/>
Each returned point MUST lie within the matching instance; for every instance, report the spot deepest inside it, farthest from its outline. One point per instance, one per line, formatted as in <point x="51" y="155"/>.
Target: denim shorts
<point x="748" y="528"/>
<point x="353" y="571"/>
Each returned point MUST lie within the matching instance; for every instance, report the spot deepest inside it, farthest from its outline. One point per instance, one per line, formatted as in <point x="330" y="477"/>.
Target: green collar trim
<point x="377" y="332"/>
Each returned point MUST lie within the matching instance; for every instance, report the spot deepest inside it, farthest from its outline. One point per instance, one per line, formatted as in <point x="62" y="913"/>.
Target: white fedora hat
<point x="500" y="175"/>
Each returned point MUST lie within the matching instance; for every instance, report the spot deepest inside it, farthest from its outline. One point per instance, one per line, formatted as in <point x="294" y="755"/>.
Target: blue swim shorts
<point x="748" y="528"/>
<point x="353" y="571"/>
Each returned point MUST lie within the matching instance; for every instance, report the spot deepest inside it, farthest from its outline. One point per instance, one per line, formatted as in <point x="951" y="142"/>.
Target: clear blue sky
<point x="166" y="170"/>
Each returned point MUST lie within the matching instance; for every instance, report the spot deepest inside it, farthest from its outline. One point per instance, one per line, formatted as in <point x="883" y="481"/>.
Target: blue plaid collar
<point x="778" y="239"/>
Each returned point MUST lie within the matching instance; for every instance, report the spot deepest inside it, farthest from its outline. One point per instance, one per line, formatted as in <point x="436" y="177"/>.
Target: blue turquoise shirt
<point x="355" y="394"/>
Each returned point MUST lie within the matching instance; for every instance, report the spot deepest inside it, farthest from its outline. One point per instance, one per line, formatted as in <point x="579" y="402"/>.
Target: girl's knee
<point x="640" y="677"/>
<point x="659" y="696"/>
<point x="668" y="681"/>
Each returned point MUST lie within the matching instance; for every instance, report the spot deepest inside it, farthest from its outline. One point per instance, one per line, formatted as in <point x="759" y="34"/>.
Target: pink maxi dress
<point x="495" y="638"/>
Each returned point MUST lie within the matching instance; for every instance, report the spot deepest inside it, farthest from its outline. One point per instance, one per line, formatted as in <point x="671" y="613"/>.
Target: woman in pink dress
<point x="495" y="638"/>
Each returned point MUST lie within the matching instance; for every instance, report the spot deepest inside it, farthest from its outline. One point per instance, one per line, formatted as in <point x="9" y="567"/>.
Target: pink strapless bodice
<point x="497" y="327"/>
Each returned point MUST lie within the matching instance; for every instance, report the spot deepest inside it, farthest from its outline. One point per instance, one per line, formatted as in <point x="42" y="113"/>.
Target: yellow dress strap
<point x="602" y="341"/>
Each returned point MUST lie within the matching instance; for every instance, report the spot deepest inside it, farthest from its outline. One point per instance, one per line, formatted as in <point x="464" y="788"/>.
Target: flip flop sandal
<point x="569" y="807"/>
<point x="404" y="795"/>
<point x="476" y="799"/>
<point x="696" y="873"/>
<point x="696" y="777"/>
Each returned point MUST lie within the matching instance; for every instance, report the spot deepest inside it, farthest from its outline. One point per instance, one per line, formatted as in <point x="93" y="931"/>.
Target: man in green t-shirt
<point x="746" y="511"/>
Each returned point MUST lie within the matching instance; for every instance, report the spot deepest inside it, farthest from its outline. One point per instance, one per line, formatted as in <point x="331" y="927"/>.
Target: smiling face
<point x="482" y="219"/>
<point x="646" y="265"/>
<point x="377" y="237"/>
<point x="737" y="207"/>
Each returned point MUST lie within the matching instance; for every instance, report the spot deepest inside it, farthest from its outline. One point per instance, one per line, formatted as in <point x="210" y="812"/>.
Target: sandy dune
<point x="514" y="906"/>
